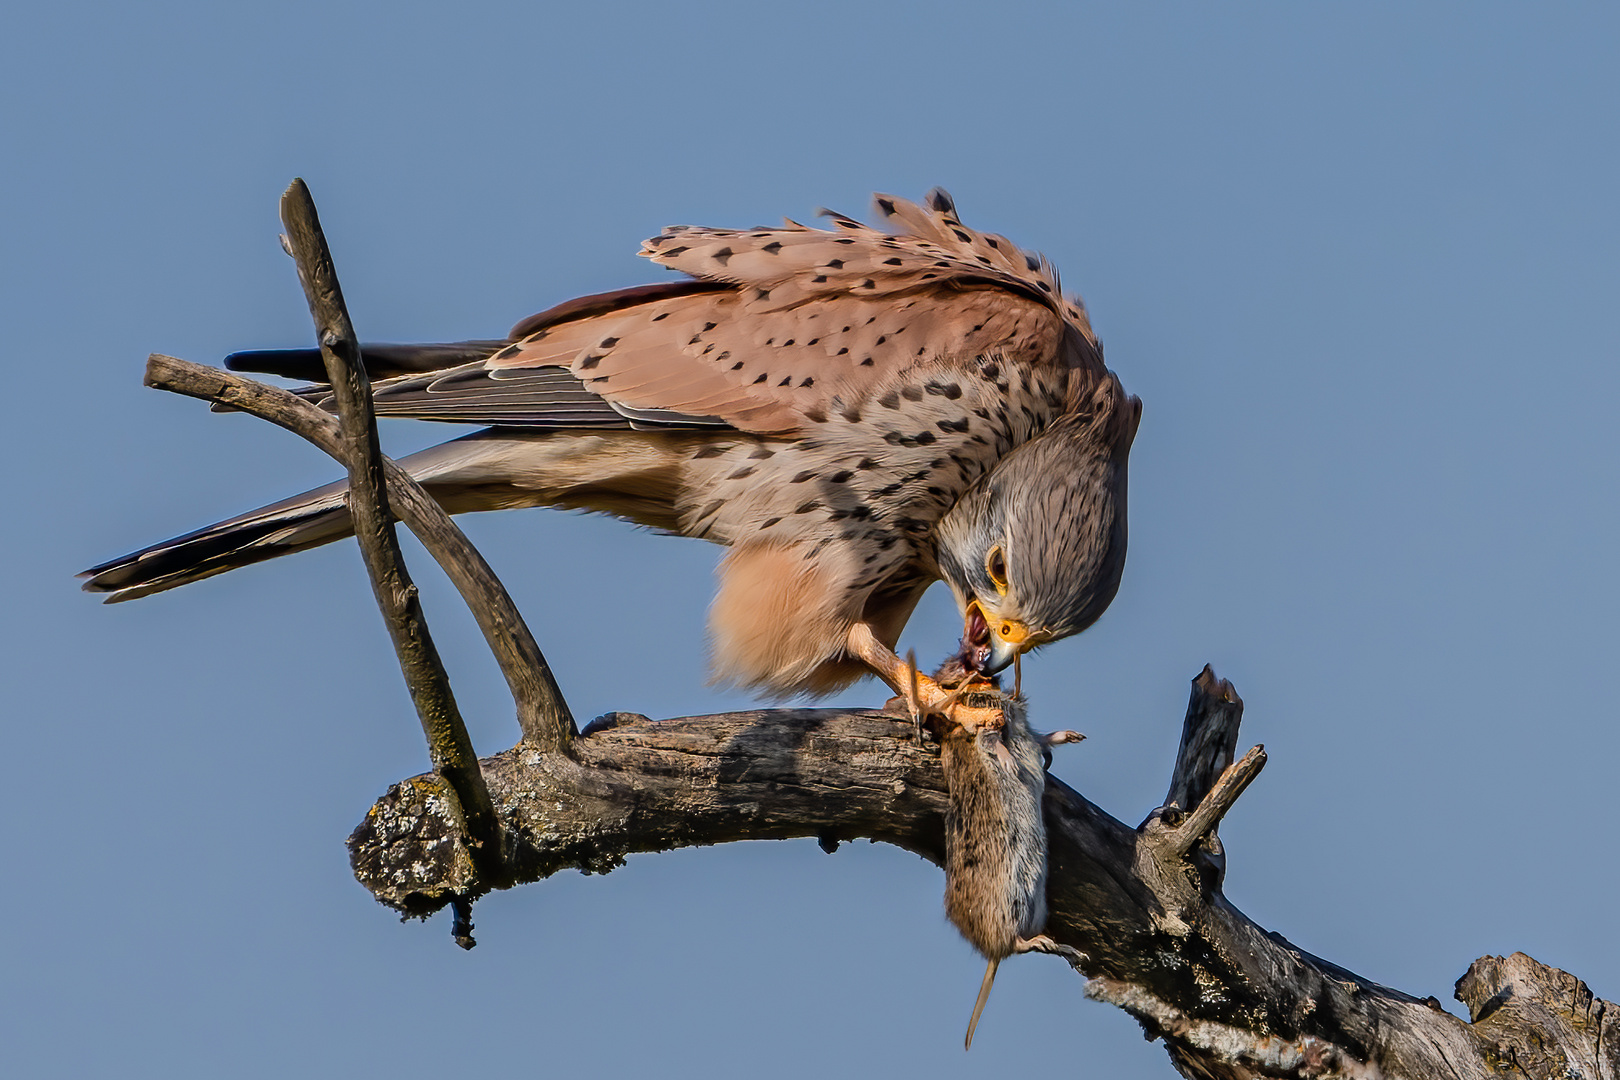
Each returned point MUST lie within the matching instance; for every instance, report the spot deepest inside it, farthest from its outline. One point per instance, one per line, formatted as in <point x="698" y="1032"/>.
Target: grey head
<point x="1035" y="550"/>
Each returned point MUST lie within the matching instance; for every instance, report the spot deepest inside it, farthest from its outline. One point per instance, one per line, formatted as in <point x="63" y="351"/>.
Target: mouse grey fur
<point x="995" y="834"/>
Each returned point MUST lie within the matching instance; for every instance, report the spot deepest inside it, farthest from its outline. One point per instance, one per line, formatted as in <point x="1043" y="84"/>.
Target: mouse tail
<point x="978" y="1006"/>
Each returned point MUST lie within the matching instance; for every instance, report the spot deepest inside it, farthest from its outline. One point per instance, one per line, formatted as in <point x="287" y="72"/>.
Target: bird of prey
<point x="854" y="412"/>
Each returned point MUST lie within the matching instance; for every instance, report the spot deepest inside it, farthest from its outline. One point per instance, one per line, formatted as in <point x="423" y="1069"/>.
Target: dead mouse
<point x="995" y="835"/>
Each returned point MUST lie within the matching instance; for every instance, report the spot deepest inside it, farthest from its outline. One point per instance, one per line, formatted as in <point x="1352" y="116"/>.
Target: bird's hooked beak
<point x="992" y="644"/>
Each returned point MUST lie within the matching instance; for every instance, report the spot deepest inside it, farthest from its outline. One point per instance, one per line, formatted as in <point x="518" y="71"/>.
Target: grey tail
<point x="304" y="521"/>
<point x="984" y="996"/>
<point x="382" y="361"/>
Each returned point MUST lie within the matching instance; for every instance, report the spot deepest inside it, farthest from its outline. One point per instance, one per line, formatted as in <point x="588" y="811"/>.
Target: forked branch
<point x="378" y="489"/>
<point x="543" y="715"/>
<point x="449" y="746"/>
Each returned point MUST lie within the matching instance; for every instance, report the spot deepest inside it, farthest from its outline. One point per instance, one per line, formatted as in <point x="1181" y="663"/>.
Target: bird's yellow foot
<point x="974" y="706"/>
<point x="923" y="696"/>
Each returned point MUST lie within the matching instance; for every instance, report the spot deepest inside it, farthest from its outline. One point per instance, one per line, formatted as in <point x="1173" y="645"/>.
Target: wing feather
<point x="777" y="327"/>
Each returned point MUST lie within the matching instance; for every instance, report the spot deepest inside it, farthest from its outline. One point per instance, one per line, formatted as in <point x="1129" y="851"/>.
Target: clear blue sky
<point x="1359" y="262"/>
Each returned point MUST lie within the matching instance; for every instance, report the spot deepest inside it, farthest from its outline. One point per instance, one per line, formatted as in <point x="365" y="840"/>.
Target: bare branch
<point x="1229" y="999"/>
<point x="1219" y="800"/>
<point x="543" y="715"/>
<point x="449" y="746"/>
<point x="639" y="785"/>
<point x="1209" y="737"/>
<point x="630" y="784"/>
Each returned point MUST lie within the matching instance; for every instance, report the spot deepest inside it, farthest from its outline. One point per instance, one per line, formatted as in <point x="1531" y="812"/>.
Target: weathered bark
<point x="1542" y="1021"/>
<point x="1148" y="927"/>
<point x="1138" y="912"/>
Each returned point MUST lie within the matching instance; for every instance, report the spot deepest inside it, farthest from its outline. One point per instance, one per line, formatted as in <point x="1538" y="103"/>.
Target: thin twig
<point x="543" y="715"/>
<point x="414" y="506"/>
<point x="1214" y="806"/>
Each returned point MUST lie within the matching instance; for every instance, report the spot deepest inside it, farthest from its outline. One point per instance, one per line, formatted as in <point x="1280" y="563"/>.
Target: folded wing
<point x="776" y="328"/>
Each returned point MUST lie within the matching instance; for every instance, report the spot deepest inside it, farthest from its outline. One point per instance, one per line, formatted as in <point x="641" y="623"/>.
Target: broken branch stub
<point x="1209" y="736"/>
<point x="1207" y="815"/>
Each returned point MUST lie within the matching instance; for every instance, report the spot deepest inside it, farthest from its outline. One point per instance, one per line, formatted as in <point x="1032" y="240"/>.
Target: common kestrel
<point x="854" y="413"/>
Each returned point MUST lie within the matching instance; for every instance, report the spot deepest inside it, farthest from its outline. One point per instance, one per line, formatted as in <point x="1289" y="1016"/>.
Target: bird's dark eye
<point x="995" y="564"/>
